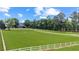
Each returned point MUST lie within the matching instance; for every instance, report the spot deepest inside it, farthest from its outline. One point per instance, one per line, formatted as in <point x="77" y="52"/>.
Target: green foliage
<point x="27" y="23"/>
<point x="58" y="22"/>
<point x="2" y="25"/>
<point x="11" y="23"/>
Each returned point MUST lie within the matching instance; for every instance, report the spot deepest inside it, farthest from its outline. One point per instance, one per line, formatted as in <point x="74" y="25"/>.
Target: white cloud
<point x="43" y="17"/>
<point x="51" y="11"/>
<point x="6" y="14"/>
<point x="38" y="10"/>
<point x="20" y="15"/>
<point x="4" y="9"/>
<point x="43" y="11"/>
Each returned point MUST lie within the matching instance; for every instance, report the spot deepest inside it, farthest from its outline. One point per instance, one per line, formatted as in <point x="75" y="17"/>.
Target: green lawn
<point x="25" y="38"/>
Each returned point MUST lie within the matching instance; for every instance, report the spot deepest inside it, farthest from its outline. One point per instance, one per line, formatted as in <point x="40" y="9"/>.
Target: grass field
<point x="26" y="38"/>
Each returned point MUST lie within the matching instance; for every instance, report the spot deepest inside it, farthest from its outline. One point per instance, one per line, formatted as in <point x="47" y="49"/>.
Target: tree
<point x="2" y="25"/>
<point x="27" y="23"/>
<point x="68" y="25"/>
<point x="61" y="20"/>
<point x="11" y="23"/>
<point x="75" y="20"/>
<point x="8" y="23"/>
<point x="14" y="22"/>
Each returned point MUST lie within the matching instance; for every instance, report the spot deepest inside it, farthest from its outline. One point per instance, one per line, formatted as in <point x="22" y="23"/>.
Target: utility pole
<point x="77" y="14"/>
<point x="77" y="19"/>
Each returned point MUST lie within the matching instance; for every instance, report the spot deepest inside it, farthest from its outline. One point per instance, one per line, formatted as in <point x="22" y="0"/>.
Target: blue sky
<point x="23" y="13"/>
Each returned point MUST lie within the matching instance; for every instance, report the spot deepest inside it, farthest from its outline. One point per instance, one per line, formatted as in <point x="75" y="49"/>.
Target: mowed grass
<point x="26" y="38"/>
<point x="1" y="48"/>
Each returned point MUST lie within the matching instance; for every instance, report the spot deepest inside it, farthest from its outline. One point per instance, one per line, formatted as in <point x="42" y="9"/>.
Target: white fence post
<point x="47" y="47"/>
<point x="30" y="49"/>
<point x="39" y="48"/>
<point x="70" y="43"/>
<point x="65" y="44"/>
<point x="54" y="46"/>
<point x="60" y="45"/>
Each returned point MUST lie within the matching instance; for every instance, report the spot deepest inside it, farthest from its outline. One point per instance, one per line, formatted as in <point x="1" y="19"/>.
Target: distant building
<point x="21" y="25"/>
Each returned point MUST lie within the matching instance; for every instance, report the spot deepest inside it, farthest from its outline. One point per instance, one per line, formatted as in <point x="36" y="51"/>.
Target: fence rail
<point x="47" y="47"/>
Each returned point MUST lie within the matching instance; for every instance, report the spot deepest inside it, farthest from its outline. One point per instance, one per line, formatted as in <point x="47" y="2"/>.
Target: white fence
<point x="47" y="47"/>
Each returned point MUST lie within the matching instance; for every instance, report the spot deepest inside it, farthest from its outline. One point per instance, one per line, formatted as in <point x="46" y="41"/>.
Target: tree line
<point x="58" y="23"/>
<point x="9" y="23"/>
